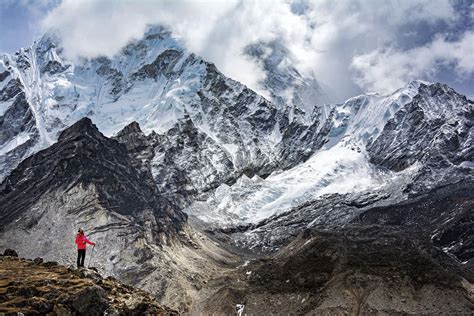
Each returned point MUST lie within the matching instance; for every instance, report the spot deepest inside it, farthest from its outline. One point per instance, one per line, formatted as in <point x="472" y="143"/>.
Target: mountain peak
<point x="156" y="30"/>
<point x="132" y="128"/>
<point x="84" y="126"/>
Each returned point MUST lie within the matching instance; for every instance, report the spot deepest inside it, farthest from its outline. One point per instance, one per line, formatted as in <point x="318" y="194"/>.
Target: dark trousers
<point x="81" y="256"/>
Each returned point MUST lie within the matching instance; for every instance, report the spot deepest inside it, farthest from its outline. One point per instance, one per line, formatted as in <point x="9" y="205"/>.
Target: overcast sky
<point x="351" y="46"/>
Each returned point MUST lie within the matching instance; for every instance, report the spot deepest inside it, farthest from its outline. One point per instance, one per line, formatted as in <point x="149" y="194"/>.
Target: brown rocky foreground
<point x="33" y="287"/>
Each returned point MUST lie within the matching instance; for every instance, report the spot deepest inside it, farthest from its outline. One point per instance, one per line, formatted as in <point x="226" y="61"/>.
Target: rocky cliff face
<point x="183" y="161"/>
<point x="434" y="130"/>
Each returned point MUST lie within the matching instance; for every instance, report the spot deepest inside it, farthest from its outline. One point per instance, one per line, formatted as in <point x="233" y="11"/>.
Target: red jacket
<point x="81" y="241"/>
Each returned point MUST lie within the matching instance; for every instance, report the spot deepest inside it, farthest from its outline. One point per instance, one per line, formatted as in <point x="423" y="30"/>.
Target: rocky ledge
<point x="34" y="287"/>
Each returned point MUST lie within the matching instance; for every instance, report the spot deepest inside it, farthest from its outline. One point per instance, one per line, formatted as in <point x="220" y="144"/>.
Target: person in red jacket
<point x="81" y="242"/>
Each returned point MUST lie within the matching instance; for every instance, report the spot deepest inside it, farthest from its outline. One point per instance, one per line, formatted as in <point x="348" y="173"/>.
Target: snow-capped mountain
<point x="142" y="238"/>
<point x="201" y="133"/>
<point x="157" y="83"/>
<point x="374" y="143"/>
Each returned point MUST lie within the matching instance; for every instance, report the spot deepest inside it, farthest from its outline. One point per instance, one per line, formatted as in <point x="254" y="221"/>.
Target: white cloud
<point x="343" y="29"/>
<point x="322" y="36"/>
<point x="388" y="69"/>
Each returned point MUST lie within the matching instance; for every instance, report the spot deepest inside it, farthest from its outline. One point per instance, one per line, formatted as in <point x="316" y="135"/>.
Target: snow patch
<point x="15" y="142"/>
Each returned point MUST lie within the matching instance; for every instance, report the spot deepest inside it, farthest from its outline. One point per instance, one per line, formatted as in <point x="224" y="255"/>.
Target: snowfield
<point x="339" y="169"/>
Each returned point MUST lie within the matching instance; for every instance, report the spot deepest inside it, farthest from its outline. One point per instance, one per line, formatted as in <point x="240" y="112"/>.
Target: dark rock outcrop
<point x="10" y="253"/>
<point x="38" y="260"/>
<point x="442" y="216"/>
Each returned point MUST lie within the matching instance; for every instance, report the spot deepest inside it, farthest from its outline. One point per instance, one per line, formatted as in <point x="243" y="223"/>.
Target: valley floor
<point x="361" y="270"/>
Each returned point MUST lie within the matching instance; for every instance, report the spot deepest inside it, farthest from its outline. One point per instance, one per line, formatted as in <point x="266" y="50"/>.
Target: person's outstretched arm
<point x="89" y="242"/>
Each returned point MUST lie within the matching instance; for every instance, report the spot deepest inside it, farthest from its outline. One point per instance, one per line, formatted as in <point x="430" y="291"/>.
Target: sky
<point x="350" y="46"/>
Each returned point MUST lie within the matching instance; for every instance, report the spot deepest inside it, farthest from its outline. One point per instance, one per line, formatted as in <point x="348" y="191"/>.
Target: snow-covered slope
<point x="362" y="118"/>
<point x="338" y="169"/>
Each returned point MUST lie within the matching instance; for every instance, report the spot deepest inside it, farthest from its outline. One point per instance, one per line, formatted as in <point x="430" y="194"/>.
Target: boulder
<point x="10" y="253"/>
<point x="90" y="301"/>
<point x="89" y="274"/>
<point x="38" y="260"/>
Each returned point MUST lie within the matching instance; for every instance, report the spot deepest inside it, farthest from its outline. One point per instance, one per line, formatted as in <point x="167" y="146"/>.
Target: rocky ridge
<point x="84" y="159"/>
<point x="34" y="287"/>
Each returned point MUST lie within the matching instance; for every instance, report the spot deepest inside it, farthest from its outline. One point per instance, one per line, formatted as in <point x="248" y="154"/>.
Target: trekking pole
<point x="90" y="258"/>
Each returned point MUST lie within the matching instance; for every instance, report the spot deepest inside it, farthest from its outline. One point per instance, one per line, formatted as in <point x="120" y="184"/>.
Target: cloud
<point x="344" y="29"/>
<point x="322" y="37"/>
<point x="218" y="31"/>
<point x="388" y="69"/>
